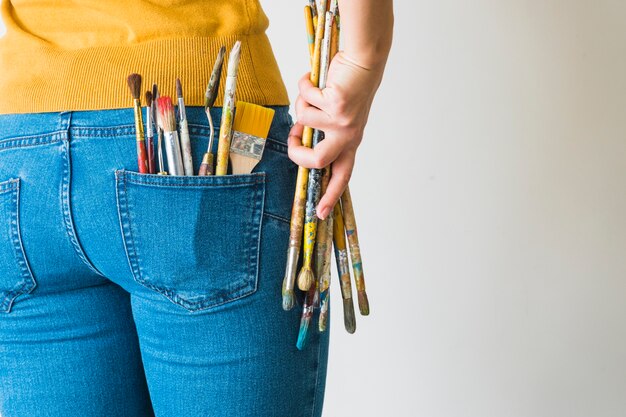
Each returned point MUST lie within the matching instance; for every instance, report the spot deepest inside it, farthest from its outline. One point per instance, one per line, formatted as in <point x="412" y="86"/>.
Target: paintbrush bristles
<point x="253" y="119"/>
<point x="166" y="117"/>
<point x="148" y="99"/>
<point x="305" y="278"/>
<point x="134" y="84"/>
<point x="349" y="318"/>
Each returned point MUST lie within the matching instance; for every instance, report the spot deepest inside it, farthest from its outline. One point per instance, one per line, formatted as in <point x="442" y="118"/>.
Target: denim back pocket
<point x="196" y="240"/>
<point x="15" y="275"/>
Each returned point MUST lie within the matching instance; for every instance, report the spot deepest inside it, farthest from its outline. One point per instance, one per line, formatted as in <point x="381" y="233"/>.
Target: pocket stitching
<point x="26" y="274"/>
<point x="124" y="216"/>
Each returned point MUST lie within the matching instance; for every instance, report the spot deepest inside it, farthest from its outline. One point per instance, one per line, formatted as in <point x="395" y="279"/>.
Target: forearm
<point x="367" y="27"/>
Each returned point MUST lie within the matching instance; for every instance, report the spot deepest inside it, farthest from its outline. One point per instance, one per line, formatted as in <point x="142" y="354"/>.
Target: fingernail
<point x="321" y="214"/>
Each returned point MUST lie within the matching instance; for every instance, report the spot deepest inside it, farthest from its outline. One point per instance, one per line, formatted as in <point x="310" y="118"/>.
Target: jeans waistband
<point x="34" y="124"/>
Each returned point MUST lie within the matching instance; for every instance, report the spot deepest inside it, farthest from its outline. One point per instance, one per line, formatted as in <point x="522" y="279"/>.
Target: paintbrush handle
<point x="206" y="167"/>
<point x="150" y="146"/>
<point x="310" y="30"/>
<point x="296" y="227"/>
<point x="142" y="157"/>
<point x="343" y="268"/>
<point x="228" y="108"/>
<point x="297" y="211"/>
<point x="185" y="143"/>
<point x="160" y="152"/>
<point x="305" y="319"/>
<point x="355" y="251"/>
<point x="223" y="147"/>
<point x="295" y="238"/>
<point x="323" y="250"/>
<point x="306" y="276"/>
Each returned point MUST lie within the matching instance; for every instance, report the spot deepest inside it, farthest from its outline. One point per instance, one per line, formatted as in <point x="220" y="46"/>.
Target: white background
<point x="490" y="198"/>
<point x="490" y="194"/>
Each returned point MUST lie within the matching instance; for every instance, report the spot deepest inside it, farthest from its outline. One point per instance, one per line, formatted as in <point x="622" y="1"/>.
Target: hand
<point x="341" y="111"/>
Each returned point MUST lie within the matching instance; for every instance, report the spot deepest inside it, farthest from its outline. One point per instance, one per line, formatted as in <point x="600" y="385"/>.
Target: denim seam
<point x="260" y="207"/>
<point x="28" y="283"/>
<point x="317" y="376"/>
<point x="67" y="209"/>
<point x="102" y="132"/>
<point x="169" y="181"/>
<point x="129" y="130"/>
<point x="121" y="214"/>
<point x="133" y="260"/>
<point x="30" y="141"/>
<point x="277" y="217"/>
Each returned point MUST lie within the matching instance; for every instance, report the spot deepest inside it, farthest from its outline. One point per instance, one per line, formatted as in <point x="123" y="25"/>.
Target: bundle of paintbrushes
<point x="242" y="133"/>
<point x="313" y="237"/>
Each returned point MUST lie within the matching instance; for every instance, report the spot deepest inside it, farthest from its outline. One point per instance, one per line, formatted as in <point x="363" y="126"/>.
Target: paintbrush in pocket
<point x="134" y="84"/>
<point x="250" y="129"/>
<point x="167" y="122"/>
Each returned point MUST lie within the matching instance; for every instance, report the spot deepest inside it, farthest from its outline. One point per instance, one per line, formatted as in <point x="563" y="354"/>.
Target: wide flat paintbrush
<point x="167" y="122"/>
<point x="134" y="84"/>
<point x="206" y="167"/>
<point x="250" y="129"/>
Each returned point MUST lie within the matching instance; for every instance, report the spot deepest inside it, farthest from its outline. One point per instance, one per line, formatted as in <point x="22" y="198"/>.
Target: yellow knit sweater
<point x="76" y="54"/>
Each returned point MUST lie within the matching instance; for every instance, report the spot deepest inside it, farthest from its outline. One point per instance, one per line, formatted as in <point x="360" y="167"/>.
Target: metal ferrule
<point x="172" y="150"/>
<point x="138" y="121"/>
<point x="182" y="113"/>
<point x="290" y="271"/>
<point x="149" y="122"/>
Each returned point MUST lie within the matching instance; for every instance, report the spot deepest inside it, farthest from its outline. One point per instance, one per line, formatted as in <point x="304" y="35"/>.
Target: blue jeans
<point x="133" y="295"/>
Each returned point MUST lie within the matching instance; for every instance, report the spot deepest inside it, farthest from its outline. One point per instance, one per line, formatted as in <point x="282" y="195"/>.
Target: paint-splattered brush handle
<point x="228" y="109"/>
<point x="295" y="233"/>
<point x="162" y="170"/>
<point x="206" y="167"/>
<point x="185" y="143"/>
<point x="343" y="268"/>
<point x="355" y="251"/>
<point x="305" y="319"/>
<point x="306" y="276"/>
<point x="323" y="250"/>
<point x="150" y="141"/>
<point x="310" y="30"/>
<point x="297" y="211"/>
<point x="142" y="155"/>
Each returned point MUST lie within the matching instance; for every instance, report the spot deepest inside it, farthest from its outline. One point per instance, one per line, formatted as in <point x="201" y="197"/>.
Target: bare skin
<point x="342" y="108"/>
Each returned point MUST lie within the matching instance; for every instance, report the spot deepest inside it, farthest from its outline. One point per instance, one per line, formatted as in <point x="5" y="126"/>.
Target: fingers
<point x="319" y="157"/>
<point x="309" y="92"/>
<point x="296" y="130"/>
<point x="340" y="176"/>
<point x="311" y="116"/>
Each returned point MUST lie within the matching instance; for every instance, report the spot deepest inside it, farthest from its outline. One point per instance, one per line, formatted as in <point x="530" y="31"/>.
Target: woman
<point x="126" y="294"/>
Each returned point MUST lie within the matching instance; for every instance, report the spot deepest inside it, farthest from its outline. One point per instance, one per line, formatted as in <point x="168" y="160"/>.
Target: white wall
<point x="494" y="230"/>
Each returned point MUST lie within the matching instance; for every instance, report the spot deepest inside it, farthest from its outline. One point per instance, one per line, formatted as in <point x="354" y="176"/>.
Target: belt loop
<point x="65" y="119"/>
